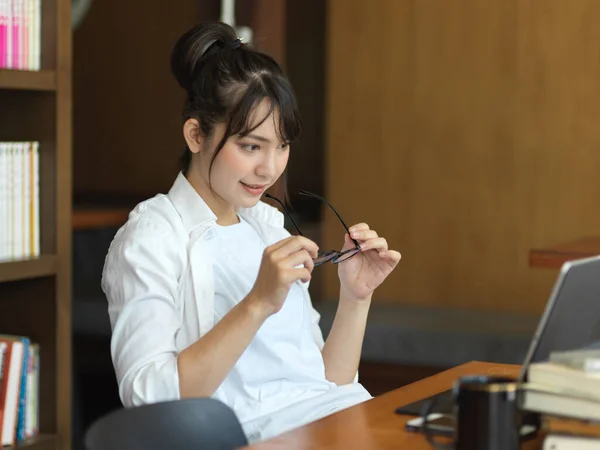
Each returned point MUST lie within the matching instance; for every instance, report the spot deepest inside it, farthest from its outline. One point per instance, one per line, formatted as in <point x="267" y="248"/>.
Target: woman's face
<point x="246" y="167"/>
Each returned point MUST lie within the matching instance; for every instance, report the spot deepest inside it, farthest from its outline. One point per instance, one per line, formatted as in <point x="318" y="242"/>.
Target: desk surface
<point x="554" y="257"/>
<point x="374" y="425"/>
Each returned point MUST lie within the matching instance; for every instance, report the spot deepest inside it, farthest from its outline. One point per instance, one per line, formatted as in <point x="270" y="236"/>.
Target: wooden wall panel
<point x="127" y="105"/>
<point x="466" y="132"/>
<point x="267" y="18"/>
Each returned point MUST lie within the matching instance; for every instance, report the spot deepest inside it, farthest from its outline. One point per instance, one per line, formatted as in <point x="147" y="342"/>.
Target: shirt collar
<point x="191" y="207"/>
<point x="194" y="211"/>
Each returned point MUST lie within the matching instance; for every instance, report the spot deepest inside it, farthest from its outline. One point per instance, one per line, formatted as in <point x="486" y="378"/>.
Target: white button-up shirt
<point x="159" y="282"/>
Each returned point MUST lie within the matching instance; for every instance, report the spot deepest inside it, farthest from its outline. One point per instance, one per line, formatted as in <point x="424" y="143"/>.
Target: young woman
<point x="207" y="291"/>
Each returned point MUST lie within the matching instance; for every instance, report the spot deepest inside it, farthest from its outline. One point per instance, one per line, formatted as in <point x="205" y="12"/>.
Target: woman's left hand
<point x="365" y="271"/>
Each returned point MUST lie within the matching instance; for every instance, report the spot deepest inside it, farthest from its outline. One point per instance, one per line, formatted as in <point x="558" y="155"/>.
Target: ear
<point x="193" y="135"/>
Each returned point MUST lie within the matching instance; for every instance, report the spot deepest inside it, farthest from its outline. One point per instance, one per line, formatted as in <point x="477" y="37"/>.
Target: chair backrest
<point x="197" y="423"/>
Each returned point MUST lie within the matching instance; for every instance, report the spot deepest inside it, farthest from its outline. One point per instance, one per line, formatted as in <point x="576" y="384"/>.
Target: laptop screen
<point x="572" y="316"/>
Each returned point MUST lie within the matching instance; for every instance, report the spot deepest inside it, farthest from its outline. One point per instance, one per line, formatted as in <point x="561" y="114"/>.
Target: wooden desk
<point x="554" y="257"/>
<point x="374" y="425"/>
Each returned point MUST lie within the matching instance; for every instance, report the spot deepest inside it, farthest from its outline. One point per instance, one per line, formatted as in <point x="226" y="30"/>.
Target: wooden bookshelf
<point x="44" y="80"/>
<point x="35" y="294"/>
<point x="41" y="442"/>
<point x="24" y="269"/>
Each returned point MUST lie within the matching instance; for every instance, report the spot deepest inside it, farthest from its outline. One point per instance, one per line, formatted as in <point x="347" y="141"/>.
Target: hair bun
<point x="193" y="45"/>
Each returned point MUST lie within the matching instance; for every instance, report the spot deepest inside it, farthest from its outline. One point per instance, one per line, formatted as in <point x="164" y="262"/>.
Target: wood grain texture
<point x="466" y="134"/>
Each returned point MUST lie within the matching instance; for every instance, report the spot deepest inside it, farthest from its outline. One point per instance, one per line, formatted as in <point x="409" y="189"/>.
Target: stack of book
<point x="20" y="34"/>
<point x="565" y="390"/>
<point x="19" y="388"/>
<point x="19" y="200"/>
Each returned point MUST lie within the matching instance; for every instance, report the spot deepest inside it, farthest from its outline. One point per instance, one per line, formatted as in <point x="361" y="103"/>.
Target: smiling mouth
<point x="254" y="186"/>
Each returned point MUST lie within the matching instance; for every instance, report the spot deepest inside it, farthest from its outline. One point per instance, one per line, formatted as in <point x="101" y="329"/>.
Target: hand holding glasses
<point x="332" y="256"/>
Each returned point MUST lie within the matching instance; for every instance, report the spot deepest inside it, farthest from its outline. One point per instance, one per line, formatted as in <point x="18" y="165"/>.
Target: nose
<point x="267" y="167"/>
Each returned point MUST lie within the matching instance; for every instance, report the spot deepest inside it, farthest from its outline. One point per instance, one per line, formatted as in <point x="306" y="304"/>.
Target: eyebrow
<point x="259" y="138"/>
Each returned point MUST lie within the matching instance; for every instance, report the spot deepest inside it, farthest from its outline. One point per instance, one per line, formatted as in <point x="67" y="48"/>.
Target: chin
<point x="247" y="202"/>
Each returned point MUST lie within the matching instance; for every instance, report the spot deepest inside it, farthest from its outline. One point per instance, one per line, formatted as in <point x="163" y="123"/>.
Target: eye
<point x="250" y="147"/>
<point x="284" y="146"/>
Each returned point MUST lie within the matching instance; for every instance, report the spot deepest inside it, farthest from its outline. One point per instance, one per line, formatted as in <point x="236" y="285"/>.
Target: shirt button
<point x="209" y="235"/>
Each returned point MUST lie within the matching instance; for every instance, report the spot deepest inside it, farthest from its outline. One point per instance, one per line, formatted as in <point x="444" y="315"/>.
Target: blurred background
<point x="465" y="132"/>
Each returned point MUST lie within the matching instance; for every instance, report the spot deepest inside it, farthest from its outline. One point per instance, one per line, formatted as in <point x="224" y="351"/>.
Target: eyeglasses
<point x="332" y="256"/>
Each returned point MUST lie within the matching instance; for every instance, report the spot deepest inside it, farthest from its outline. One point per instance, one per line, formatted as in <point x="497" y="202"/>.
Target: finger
<point x="294" y="275"/>
<point x="277" y="245"/>
<point x="364" y="234"/>
<point x="359" y="227"/>
<point x="380" y="244"/>
<point x="298" y="258"/>
<point x="391" y="255"/>
<point x="293" y="245"/>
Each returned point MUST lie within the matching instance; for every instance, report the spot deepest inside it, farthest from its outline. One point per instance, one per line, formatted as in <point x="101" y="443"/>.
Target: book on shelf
<point x="20" y="34"/>
<point x="19" y="389"/>
<point x="19" y="200"/>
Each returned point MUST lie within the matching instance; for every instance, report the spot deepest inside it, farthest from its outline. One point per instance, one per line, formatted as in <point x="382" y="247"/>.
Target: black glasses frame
<point x="333" y="256"/>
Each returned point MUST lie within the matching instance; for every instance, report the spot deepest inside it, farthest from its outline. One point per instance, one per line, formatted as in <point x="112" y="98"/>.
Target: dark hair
<point x="225" y="81"/>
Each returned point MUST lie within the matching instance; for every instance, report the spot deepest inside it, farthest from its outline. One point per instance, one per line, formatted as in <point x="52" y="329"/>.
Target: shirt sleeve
<point x="140" y="282"/>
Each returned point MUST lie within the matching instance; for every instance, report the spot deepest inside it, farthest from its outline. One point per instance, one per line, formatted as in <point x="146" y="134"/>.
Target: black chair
<point x="197" y="423"/>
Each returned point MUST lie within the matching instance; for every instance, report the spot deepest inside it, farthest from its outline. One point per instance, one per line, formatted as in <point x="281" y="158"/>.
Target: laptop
<point x="571" y="320"/>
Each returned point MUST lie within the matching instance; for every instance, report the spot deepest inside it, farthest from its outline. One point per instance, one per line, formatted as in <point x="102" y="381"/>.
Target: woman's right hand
<point x="279" y="269"/>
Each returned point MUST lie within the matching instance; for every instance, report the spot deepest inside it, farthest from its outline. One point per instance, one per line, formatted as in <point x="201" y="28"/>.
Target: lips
<point x="254" y="189"/>
<point x="254" y="186"/>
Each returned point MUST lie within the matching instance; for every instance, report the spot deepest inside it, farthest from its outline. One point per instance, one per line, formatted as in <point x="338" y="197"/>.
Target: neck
<point x="225" y="212"/>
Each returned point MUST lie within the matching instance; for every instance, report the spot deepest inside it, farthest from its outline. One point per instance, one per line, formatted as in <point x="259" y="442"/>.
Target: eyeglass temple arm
<point x="286" y="211"/>
<point x="310" y="194"/>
